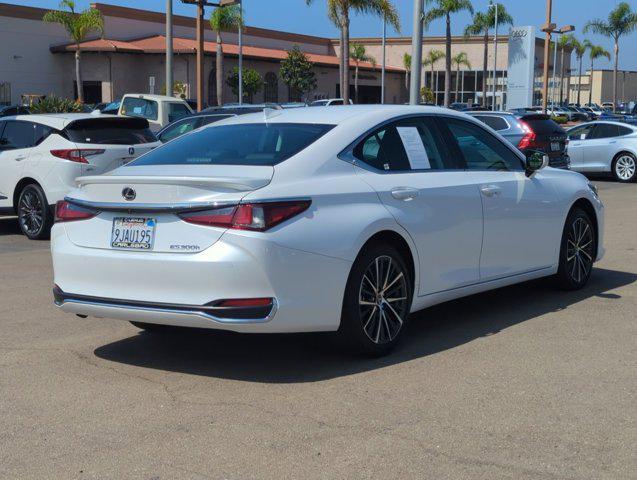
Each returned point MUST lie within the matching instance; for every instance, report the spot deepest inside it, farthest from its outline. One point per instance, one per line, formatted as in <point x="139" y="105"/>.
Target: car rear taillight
<point x="77" y="155"/>
<point x="68" y="212"/>
<point x="529" y="138"/>
<point x="248" y="216"/>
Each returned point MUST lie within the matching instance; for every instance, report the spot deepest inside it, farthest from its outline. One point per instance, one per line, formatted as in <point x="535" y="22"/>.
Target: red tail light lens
<point x="76" y="155"/>
<point x="67" y="212"/>
<point x="249" y="216"/>
<point x="528" y="141"/>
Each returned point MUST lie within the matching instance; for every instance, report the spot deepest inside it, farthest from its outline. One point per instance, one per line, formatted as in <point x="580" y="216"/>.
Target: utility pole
<point x="169" y="48"/>
<point x="240" y="52"/>
<point x="495" y="55"/>
<point x="548" y="27"/>
<point x="382" y="73"/>
<point x="416" y="53"/>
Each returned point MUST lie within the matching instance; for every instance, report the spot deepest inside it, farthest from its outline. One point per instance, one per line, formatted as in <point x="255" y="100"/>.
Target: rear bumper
<point x="182" y="289"/>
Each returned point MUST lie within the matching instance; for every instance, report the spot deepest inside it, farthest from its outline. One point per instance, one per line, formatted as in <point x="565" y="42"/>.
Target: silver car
<point x="505" y="123"/>
<point x="604" y="146"/>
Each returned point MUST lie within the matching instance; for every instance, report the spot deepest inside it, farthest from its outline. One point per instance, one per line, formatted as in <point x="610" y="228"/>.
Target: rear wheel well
<point x="389" y="237"/>
<point x="587" y="206"/>
<point x="18" y="188"/>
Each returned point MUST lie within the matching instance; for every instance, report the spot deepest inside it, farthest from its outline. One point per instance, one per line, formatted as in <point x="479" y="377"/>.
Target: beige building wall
<point x="603" y="87"/>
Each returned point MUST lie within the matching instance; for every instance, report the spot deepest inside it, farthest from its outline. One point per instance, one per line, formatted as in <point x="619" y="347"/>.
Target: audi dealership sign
<point x="521" y="67"/>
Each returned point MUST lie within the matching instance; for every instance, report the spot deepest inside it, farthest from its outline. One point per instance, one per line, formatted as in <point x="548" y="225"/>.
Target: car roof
<point x="55" y="120"/>
<point x="369" y="115"/>
<point x="160" y="98"/>
<point x="490" y="112"/>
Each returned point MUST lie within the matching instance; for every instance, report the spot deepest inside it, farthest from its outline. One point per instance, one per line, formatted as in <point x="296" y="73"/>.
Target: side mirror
<point x="535" y="160"/>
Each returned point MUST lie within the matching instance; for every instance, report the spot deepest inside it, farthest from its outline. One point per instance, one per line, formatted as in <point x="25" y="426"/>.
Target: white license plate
<point x="555" y="146"/>
<point x="133" y="233"/>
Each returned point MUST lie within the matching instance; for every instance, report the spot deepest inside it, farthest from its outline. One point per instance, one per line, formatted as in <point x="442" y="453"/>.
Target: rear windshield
<point x="140" y="107"/>
<point x="544" y="126"/>
<point x="240" y="144"/>
<point x="110" y="131"/>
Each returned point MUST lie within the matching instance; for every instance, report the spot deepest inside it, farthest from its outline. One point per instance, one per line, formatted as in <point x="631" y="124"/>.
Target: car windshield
<point x="140" y="107"/>
<point x="239" y="144"/>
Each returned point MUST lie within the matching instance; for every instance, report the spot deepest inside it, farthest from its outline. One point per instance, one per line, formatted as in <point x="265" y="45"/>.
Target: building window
<point x="271" y="88"/>
<point x="5" y="93"/>
<point x="212" y="87"/>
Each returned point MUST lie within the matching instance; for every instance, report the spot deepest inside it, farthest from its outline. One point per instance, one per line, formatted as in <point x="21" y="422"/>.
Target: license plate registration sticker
<point x="133" y="233"/>
<point x="555" y="146"/>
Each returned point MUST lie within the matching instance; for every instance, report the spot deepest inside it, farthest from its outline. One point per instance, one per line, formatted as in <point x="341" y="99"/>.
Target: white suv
<point x="42" y="155"/>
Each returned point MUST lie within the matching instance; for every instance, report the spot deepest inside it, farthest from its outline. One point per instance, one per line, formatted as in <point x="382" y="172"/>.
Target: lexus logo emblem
<point x="129" y="194"/>
<point x="131" y="151"/>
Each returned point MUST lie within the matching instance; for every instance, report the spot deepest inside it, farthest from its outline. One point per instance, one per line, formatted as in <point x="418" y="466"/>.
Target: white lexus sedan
<point x="320" y="219"/>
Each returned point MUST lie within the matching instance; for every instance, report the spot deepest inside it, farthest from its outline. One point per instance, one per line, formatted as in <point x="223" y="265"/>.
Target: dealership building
<point x="36" y="58"/>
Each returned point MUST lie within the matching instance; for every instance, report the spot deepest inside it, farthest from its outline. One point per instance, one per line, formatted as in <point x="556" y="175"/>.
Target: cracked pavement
<point x="520" y="383"/>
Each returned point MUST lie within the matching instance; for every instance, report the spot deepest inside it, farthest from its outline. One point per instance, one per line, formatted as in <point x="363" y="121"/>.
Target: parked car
<point x="111" y="108"/>
<point x="544" y="134"/>
<point x="463" y="106"/>
<point x="159" y="110"/>
<point x="10" y="110"/>
<point x="42" y="155"/>
<point x="593" y="111"/>
<point x="505" y="123"/>
<point x="293" y="105"/>
<point x="329" y="102"/>
<point x="575" y="115"/>
<point x="604" y="146"/>
<point x="608" y="106"/>
<point x="320" y="219"/>
<point x="193" y="122"/>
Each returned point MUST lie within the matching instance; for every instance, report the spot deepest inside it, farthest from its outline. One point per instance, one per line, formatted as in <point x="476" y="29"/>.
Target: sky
<point x="295" y="16"/>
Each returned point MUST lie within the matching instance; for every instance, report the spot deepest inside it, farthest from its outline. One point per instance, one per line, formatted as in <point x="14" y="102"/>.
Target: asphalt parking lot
<point x="520" y="383"/>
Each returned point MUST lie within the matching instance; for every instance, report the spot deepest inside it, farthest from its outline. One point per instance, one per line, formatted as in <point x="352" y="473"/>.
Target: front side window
<point x="177" y="130"/>
<point x="240" y="144"/>
<point x="580" y="133"/>
<point x="140" y="107"/>
<point x="404" y="145"/>
<point x="480" y="149"/>
<point x="18" y="134"/>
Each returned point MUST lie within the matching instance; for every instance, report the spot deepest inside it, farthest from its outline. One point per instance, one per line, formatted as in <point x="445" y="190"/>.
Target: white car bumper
<point x="178" y="288"/>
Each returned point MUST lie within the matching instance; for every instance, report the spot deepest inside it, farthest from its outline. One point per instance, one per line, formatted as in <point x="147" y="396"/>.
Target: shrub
<point x="55" y="104"/>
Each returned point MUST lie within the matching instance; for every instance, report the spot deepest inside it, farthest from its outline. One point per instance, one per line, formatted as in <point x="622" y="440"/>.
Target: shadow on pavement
<point x="9" y="226"/>
<point x="313" y="357"/>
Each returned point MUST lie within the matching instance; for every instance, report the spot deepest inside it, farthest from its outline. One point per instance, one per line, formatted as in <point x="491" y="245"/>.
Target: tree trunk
<point x="356" y="83"/>
<point x="615" y="68"/>
<point x="341" y="64"/>
<point x="457" y="80"/>
<point x="579" y="80"/>
<point x="431" y="87"/>
<point x="447" y="61"/>
<point x="485" y="67"/>
<point x="346" y="58"/>
<point x="219" y="68"/>
<point x="590" y="84"/>
<point x="562" y="79"/>
<point x="78" y="76"/>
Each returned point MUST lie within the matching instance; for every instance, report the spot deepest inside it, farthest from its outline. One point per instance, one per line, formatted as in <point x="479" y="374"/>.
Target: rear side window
<point x="408" y="144"/>
<point x="240" y="144"/>
<point x="624" y="130"/>
<point x="110" y="131"/>
<point x="605" y="130"/>
<point x="179" y="128"/>
<point x="496" y="123"/>
<point x="18" y="134"/>
<point x="480" y="149"/>
<point x="41" y="133"/>
<point x="140" y="107"/>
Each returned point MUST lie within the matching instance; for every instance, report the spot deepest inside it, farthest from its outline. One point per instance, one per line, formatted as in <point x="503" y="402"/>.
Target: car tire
<point x="577" y="251"/>
<point x="625" y="167"/>
<point x="377" y="302"/>
<point x="152" y="327"/>
<point x="34" y="215"/>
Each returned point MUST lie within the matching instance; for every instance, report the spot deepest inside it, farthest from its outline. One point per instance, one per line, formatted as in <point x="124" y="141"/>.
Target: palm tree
<point x="444" y="9"/>
<point x="459" y="60"/>
<point x="430" y="60"/>
<point x="358" y="54"/>
<point x="78" y="26"/>
<point x="566" y="42"/>
<point x="594" y="52"/>
<point x="481" y="25"/>
<point x="223" y="19"/>
<point x="407" y="65"/>
<point x="580" y="49"/>
<point x="339" y="11"/>
<point x="621" y="21"/>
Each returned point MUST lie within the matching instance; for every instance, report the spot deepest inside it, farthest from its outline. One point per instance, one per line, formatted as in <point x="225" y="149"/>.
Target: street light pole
<point x="169" y="47"/>
<point x="547" y="28"/>
<point x="495" y="57"/>
<point x="240" y="53"/>
<point x="382" y="73"/>
<point x="416" y="53"/>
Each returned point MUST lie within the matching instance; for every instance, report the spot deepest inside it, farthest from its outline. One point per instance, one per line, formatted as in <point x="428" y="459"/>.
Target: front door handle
<point x="19" y="158"/>
<point x="490" y="190"/>
<point x="404" y="193"/>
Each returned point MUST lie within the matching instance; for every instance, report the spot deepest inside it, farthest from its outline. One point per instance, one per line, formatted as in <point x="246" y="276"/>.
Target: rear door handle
<point x="404" y="193"/>
<point x="490" y="190"/>
<point x="19" y="158"/>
